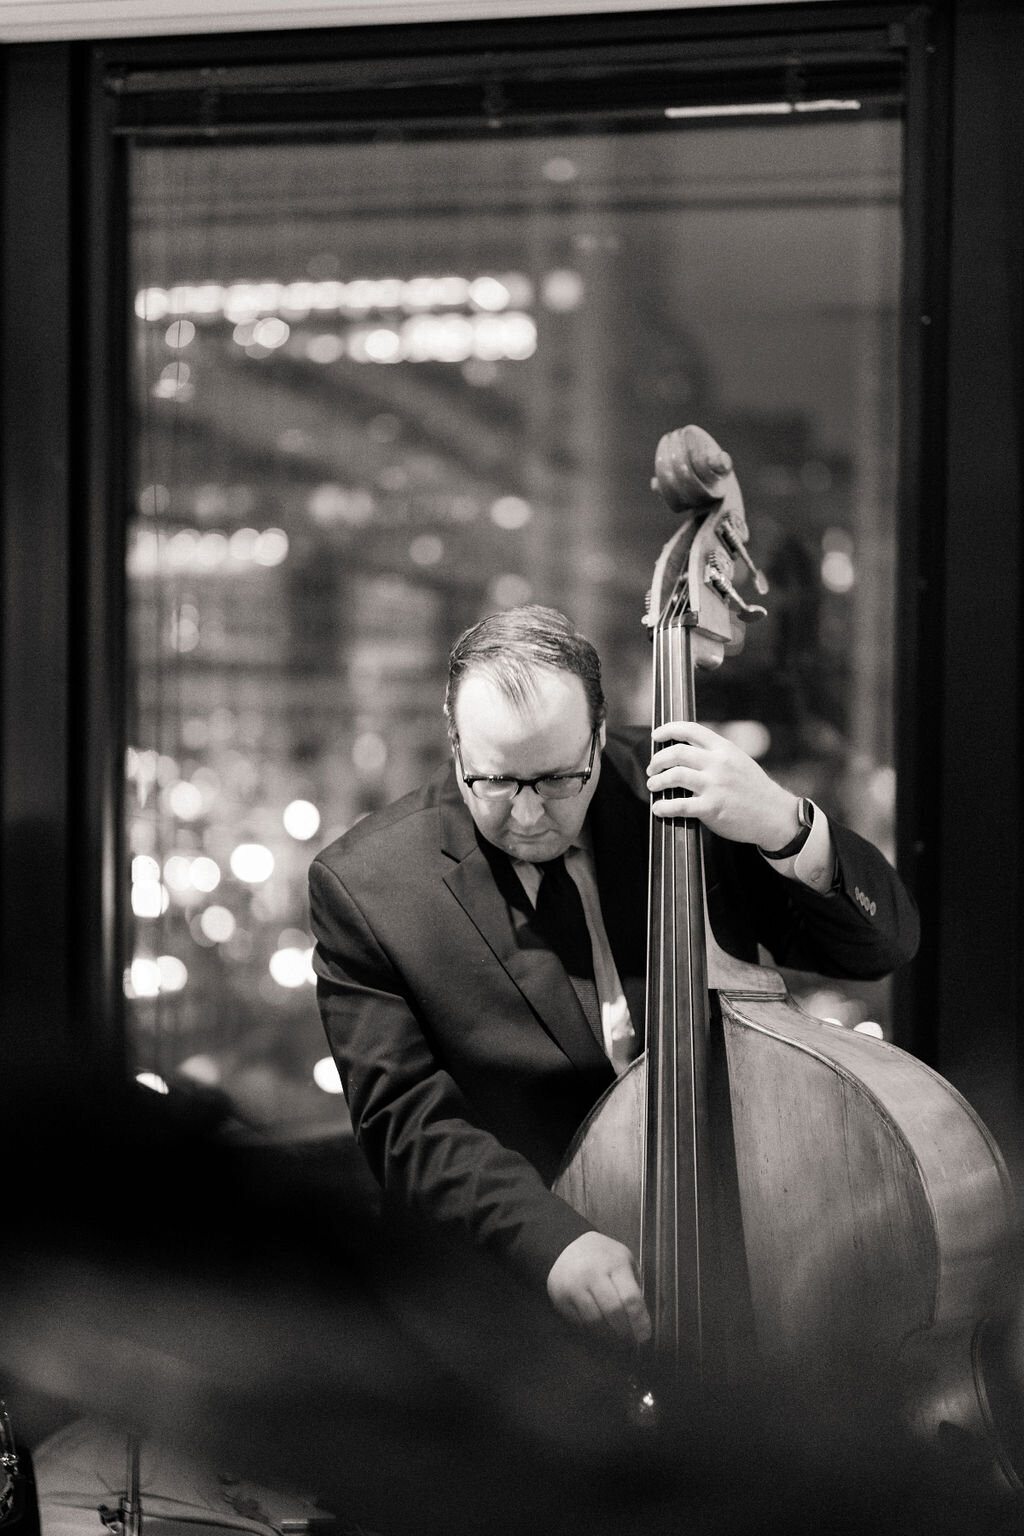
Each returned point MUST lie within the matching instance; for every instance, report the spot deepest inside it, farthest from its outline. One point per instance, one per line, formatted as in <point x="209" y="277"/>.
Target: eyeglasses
<point x="550" y="786"/>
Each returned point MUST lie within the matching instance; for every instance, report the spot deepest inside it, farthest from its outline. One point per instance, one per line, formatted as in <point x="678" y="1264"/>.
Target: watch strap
<point x="805" y="812"/>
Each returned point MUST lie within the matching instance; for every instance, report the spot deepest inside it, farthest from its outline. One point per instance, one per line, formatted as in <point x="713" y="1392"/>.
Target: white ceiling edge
<point x="63" y="20"/>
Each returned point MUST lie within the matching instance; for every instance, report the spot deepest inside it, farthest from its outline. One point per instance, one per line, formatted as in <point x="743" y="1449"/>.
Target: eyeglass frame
<point x="470" y="779"/>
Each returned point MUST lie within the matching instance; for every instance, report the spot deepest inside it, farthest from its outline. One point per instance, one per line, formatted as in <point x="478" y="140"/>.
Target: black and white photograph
<point x="512" y="768"/>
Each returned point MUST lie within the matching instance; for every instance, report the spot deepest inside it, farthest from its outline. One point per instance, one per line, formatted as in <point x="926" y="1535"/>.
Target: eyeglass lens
<point x="547" y="789"/>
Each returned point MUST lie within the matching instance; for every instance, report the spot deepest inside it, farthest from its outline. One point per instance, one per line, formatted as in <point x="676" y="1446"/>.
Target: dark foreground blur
<point x="239" y="1304"/>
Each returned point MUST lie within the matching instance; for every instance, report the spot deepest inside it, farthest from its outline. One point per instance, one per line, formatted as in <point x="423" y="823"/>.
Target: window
<point x="387" y="382"/>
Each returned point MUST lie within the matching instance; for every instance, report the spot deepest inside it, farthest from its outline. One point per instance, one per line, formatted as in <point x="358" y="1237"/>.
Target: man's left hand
<point x="728" y="791"/>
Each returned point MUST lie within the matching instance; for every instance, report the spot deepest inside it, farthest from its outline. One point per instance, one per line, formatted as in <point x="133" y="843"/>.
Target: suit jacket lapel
<point x="486" y="887"/>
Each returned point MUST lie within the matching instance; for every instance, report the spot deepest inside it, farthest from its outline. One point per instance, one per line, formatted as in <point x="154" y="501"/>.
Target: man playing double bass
<point x="481" y="944"/>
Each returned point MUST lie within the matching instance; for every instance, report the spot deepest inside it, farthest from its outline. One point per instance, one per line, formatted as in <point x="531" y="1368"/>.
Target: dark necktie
<point x="562" y="922"/>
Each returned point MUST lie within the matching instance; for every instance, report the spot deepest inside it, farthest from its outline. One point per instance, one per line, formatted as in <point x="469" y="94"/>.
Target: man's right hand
<point x="594" y="1283"/>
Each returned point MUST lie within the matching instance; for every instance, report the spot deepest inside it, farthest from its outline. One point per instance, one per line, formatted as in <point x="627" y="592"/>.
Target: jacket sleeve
<point x="865" y="928"/>
<point x="414" y="1125"/>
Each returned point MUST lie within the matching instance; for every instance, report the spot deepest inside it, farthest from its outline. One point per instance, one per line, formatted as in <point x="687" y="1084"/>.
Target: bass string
<point x="678" y="1003"/>
<point x="664" y="1068"/>
<point x="662" y="960"/>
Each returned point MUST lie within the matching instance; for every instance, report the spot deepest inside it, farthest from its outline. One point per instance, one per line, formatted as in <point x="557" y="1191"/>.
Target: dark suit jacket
<point x="466" y="1059"/>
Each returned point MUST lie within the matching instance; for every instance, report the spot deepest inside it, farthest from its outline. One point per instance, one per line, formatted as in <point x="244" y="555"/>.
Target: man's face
<point x="551" y="734"/>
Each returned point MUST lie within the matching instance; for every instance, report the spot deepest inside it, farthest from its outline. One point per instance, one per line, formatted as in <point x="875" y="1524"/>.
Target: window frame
<point x="71" y="717"/>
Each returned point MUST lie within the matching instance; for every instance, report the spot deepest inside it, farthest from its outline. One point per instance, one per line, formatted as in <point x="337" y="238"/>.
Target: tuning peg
<point x="730" y="537"/>
<point x="747" y="613"/>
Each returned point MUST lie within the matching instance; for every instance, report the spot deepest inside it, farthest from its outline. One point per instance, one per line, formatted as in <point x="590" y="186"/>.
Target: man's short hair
<point x="508" y="647"/>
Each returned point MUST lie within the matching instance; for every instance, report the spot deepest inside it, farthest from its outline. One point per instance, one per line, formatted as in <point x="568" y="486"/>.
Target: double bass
<point x="813" y="1208"/>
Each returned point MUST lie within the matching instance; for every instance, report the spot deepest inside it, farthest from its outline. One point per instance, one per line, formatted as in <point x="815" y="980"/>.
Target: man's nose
<point x="527" y="807"/>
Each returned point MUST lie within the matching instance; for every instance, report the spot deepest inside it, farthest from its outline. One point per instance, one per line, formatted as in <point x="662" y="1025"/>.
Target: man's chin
<point x="537" y="850"/>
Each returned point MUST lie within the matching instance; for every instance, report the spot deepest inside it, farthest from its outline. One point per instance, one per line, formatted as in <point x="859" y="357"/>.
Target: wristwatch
<point x="805" y="811"/>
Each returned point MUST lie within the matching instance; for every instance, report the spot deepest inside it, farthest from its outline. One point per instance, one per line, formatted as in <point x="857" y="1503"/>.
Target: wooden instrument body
<point x="871" y="1197"/>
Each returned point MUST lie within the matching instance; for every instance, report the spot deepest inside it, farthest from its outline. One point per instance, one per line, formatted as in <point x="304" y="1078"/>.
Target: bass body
<point x="871" y="1199"/>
